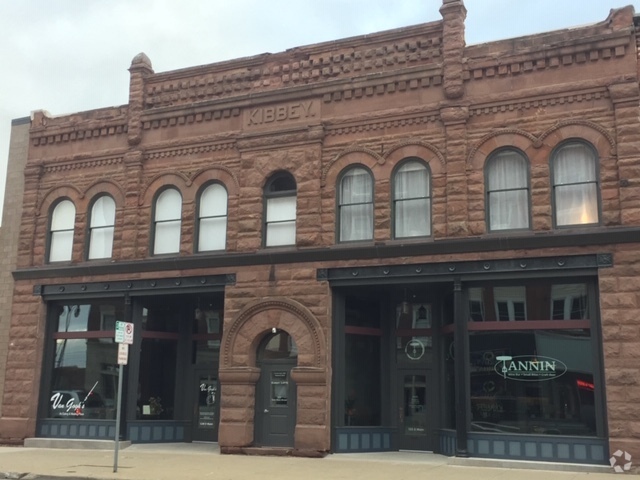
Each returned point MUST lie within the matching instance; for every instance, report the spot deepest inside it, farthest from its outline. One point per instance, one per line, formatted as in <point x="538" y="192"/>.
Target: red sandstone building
<point x="395" y="241"/>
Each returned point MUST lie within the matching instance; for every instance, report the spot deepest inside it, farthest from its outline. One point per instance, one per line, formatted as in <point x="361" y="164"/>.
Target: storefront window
<point x="362" y="362"/>
<point x="536" y="301"/>
<point x="161" y="319"/>
<point x="85" y="371"/>
<point x="539" y="381"/>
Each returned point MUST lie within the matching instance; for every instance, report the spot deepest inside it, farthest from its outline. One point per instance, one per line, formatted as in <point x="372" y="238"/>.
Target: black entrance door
<point x="275" y="405"/>
<point x="206" y="406"/>
<point x="415" y="423"/>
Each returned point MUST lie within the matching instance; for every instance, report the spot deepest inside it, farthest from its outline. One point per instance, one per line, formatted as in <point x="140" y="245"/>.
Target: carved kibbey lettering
<point x="281" y="113"/>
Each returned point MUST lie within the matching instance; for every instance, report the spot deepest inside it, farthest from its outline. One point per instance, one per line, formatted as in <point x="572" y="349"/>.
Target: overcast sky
<point x="65" y="56"/>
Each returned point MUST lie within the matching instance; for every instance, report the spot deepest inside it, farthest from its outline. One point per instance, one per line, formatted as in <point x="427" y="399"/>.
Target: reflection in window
<point x="212" y="218"/>
<point x="507" y="191"/>
<point x="168" y="215"/>
<point x="62" y="224"/>
<point x="575" y="185"/>
<point x="535" y="301"/>
<point x="412" y="202"/>
<point x="103" y="214"/>
<point x="569" y="302"/>
<point x="84" y="372"/>
<point x="280" y="222"/>
<point x="278" y="345"/>
<point x="510" y="303"/>
<point x="355" y="206"/>
<point x="84" y="379"/>
<point x="537" y="382"/>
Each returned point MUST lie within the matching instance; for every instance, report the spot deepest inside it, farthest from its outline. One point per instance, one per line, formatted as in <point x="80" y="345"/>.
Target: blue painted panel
<point x="580" y="452"/>
<point x="366" y="441"/>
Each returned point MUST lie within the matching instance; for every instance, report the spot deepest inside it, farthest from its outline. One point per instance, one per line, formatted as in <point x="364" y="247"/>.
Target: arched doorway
<point x="275" y="415"/>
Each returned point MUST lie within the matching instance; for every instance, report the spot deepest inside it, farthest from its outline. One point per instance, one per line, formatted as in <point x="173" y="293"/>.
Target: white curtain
<point x="281" y="221"/>
<point x="167" y="222"/>
<point x="103" y="214"/>
<point x="62" y="226"/>
<point x="412" y="202"/>
<point x="507" y="191"/>
<point x="575" y="185"/>
<point x="212" y="232"/>
<point x="356" y="206"/>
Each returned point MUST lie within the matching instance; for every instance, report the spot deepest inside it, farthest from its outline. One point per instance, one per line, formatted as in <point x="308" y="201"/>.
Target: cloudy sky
<point x="66" y="56"/>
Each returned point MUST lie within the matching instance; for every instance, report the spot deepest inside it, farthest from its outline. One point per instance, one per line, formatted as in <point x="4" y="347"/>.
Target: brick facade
<point x="313" y="111"/>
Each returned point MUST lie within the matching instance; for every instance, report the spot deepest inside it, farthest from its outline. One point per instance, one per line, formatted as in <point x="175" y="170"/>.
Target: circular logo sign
<point x="528" y="368"/>
<point x="414" y="349"/>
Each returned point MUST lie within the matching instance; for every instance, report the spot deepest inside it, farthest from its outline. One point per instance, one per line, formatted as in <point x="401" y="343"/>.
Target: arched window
<point x="576" y="193"/>
<point x="101" y="227"/>
<point x="412" y="200"/>
<point x="212" y="218"/>
<point x="280" y="194"/>
<point x="355" y="205"/>
<point x="63" y="219"/>
<point x="167" y="220"/>
<point x="507" y="191"/>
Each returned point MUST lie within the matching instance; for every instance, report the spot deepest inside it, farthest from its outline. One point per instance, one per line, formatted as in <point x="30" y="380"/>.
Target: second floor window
<point x="280" y="216"/>
<point x="355" y="205"/>
<point x="507" y="188"/>
<point x="103" y="214"/>
<point x="412" y="200"/>
<point x="575" y="185"/>
<point x="212" y="218"/>
<point x="167" y="221"/>
<point x="63" y="220"/>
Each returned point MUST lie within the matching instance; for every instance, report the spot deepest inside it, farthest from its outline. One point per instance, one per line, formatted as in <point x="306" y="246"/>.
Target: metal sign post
<point x="124" y="338"/>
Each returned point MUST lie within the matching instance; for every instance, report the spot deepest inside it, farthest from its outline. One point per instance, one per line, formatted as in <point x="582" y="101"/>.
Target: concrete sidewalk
<point x="186" y="461"/>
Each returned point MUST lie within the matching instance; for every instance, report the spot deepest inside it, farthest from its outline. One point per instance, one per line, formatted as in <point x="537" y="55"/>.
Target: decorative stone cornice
<point x="576" y="51"/>
<point x="76" y="133"/>
<point x="189" y="150"/>
<point x="81" y="164"/>
<point x="624" y="92"/>
<point x="278" y="138"/>
<point x="536" y="101"/>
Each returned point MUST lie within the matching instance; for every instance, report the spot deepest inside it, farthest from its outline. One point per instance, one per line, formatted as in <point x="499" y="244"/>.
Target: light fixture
<point x="274" y="330"/>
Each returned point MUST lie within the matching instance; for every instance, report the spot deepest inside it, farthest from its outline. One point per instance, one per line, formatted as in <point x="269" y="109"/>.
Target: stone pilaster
<point x="133" y="161"/>
<point x="139" y="70"/>
<point x="454" y="119"/>
<point x="453" y="14"/>
<point x="625" y="98"/>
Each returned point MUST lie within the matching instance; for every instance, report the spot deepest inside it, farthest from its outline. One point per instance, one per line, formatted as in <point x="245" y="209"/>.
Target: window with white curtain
<point x="507" y="187"/>
<point x="280" y="216"/>
<point x="63" y="220"/>
<point x="167" y="220"/>
<point x="212" y="218"/>
<point x="412" y="200"/>
<point x="575" y="185"/>
<point x="101" y="227"/>
<point x="355" y="205"/>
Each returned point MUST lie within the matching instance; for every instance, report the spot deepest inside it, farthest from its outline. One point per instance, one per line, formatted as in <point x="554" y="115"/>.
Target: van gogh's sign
<point x="528" y="368"/>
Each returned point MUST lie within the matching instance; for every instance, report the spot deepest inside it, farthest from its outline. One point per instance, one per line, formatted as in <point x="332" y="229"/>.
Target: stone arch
<point x="220" y="173"/>
<point x="242" y="337"/>
<point x="349" y="156"/>
<point x="55" y="193"/>
<point x="416" y="148"/>
<point x="104" y="186"/>
<point x="508" y="137"/>
<point x="593" y="133"/>
<point x="174" y="179"/>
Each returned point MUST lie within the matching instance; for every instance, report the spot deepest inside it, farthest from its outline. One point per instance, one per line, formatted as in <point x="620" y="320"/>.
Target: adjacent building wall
<point x="10" y="230"/>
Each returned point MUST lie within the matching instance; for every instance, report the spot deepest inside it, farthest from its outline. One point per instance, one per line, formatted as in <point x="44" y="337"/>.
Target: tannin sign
<point x="529" y="368"/>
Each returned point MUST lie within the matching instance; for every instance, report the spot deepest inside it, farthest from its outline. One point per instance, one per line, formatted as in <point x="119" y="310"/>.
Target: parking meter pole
<point x="118" y="405"/>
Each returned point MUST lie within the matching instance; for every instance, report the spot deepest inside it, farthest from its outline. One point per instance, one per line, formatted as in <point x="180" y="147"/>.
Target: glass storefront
<point x="85" y="374"/>
<point x="176" y="338"/>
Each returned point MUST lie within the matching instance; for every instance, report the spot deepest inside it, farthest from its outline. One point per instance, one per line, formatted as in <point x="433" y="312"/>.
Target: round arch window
<point x="277" y="346"/>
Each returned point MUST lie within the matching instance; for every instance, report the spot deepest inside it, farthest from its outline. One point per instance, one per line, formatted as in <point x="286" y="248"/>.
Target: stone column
<point x="237" y="407"/>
